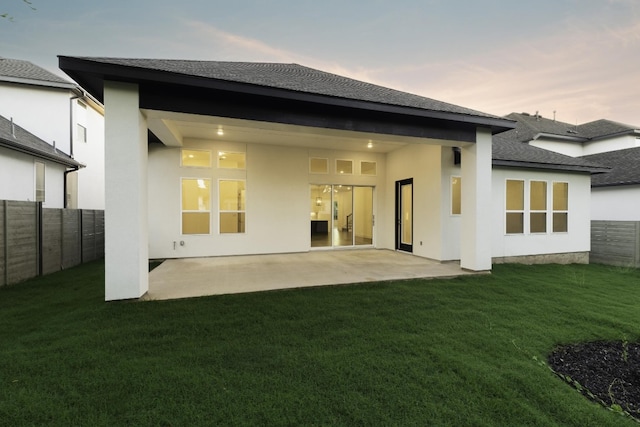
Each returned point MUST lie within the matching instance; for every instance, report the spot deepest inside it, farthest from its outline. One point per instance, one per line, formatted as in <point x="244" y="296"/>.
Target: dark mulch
<point x="605" y="371"/>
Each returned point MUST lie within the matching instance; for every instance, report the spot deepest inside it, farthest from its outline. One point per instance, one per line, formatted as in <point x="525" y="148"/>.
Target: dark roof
<point x="18" y="71"/>
<point x="287" y="81"/>
<point x="508" y="151"/>
<point x="624" y="164"/>
<point x="19" y="139"/>
<point x="530" y="127"/>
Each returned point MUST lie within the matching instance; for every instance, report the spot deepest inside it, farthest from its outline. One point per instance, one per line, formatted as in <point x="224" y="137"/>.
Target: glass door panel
<point x="404" y="215"/>
<point x="321" y="220"/>
<point x="342" y="215"/>
<point x="363" y="219"/>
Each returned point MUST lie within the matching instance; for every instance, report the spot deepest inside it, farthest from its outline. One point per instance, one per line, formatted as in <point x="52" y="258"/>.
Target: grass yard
<point x="458" y="352"/>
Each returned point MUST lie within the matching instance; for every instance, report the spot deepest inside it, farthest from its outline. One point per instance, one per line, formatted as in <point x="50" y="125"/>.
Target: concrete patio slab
<point x="193" y="277"/>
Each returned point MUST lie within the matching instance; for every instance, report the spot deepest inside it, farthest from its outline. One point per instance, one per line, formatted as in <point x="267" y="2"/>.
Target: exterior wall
<point x="277" y="198"/>
<point x="90" y="189"/>
<point x="42" y="111"/>
<point x="18" y="169"/>
<point x="423" y="163"/>
<point x="611" y="144"/>
<point x="620" y="203"/>
<point x="577" y="239"/>
<point x="578" y="149"/>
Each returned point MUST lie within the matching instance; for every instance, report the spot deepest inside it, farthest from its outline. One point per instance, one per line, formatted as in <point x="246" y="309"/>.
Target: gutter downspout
<point x="65" y="204"/>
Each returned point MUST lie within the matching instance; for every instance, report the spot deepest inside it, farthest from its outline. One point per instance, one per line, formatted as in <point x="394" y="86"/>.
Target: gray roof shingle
<point x="508" y="150"/>
<point x="26" y="142"/>
<point x="19" y="71"/>
<point x="624" y="164"/>
<point x="292" y="77"/>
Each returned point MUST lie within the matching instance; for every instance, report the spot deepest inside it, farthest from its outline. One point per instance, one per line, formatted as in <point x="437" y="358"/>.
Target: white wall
<point x="277" y="197"/>
<point x="578" y="237"/>
<point x="620" y="203"/>
<point x="90" y="194"/>
<point x="577" y="149"/>
<point x="423" y="164"/>
<point x="17" y="175"/>
<point x="42" y="111"/>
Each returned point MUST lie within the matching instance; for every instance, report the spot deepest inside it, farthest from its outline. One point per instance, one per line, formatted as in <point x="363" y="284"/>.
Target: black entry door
<point x="404" y="215"/>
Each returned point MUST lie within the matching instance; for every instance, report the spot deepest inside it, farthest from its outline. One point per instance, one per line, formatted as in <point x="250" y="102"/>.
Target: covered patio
<point x="195" y="277"/>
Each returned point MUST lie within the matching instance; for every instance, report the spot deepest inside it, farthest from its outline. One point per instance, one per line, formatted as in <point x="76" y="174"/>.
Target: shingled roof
<point x="19" y="71"/>
<point x="17" y="138"/>
<point x="509" y="151"/>
<point x="530" y="127"/>
<point x="292" y="78"/>
<point x="624" y="164"/>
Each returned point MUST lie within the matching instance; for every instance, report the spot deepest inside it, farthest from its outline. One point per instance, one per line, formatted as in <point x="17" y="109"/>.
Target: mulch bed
<point x="605" y="371"/>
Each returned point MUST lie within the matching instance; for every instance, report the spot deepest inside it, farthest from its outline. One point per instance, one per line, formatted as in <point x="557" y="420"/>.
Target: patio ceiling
<point x="172" y="128"/>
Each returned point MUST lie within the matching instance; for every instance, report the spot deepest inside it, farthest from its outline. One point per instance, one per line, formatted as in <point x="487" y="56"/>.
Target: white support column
<point x="126" y="228"/>
<point x="475" y="232"/>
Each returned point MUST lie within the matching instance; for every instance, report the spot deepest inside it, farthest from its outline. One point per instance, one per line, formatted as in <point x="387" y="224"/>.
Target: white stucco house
<point x="30" y="168"/>
<point x="62" y="114"/>
<point x="224" y="158"/>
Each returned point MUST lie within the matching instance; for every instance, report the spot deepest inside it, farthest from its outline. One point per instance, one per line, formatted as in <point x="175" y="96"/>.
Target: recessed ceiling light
<point x="220" y="131"/>
<point x="370" y="144"/>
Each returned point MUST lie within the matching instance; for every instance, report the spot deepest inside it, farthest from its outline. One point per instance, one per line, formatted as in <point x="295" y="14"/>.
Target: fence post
<point x="6" y="241"/>
<point x="39" y="238"/>
<point x="81" y="235"/>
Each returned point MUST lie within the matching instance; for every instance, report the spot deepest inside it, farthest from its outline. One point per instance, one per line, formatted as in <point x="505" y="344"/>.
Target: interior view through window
<point x="341" y="215"/>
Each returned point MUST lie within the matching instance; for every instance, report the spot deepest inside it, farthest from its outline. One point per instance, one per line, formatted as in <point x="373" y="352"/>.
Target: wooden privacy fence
<point x="615" y="243"/>
<point x="36" y="241"/>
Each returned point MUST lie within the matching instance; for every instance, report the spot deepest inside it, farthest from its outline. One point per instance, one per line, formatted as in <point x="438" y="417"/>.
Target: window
<point x="82" y="133"/>
<point x="515" y="207"/>
<point x="196" y="206"/>
<point x="39" y="181"/>
<point x="232" y="206"/>
<point x="318" y="165"/>
<point x="230" y="160"/>
<point x="560" y="207"/>
<point x="344" y="167"/>
<point x="538" y="207"/>
<point x="456" y="195"/>
<point x="196" y="158"/>
<point x="368" y="168"/>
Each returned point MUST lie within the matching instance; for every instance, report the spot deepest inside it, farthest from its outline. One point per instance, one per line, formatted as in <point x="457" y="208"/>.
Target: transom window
<point x="196" y="158"/>
<point x="368" y="168"/>
<point x="318" y="165"/>
<point x="231" y="160"/>
<point x="344" y="167"/>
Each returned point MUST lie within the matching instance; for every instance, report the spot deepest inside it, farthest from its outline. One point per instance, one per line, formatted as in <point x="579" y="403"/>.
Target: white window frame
<point x="35" y="181"/>
<point x="554" y="211"/>
<point x="195" y="211"/>
<point x="222" y="152"/>
<point x="338" y="169"/>
<point x="369" y="161"/>
<point x="239" y="211"/>
<point x="319" y="158"/>
<point x="451" y="193"/>
<point x="530" y="211"/>
<point x="524" y="207"/>
<point x="182" y="165"/>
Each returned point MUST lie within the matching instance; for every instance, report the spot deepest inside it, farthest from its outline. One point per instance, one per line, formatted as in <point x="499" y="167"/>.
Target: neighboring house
<point x="60" y="113"/>
<point x="31" y="169"/>
<point x="223" y="158"/>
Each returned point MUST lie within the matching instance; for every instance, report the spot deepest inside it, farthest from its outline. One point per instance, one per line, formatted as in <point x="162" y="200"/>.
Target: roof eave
<point x="560" y="137"/>
<point x="549" y="166"/>
<point x="33" y="82"/>
<point x="78" y="68"/>
<point x="40" y="154"/>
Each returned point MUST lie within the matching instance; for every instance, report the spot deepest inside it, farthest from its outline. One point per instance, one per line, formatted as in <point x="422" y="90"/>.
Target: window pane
<point x="538" y="222"/>
<point x="232" y="195"/>
<point x="344" y="166"/>
<point x="560" y="222"/>
<point x="538" y="196"/>
<point x="195" y="223"/>
<point x="196" y="158"/>
<point x="515" y="223"/>
<point x="317" y="165"/>
<point x="82" y="133"/>
<point x="195" y="195"/>
<point x="368" y="168"/>
<point x="231" y="160"/>
<point x="515" y="195"/>
<point x="560" y="196"/>
<point x="232" y="222"/>
<point x="456" y="195"/>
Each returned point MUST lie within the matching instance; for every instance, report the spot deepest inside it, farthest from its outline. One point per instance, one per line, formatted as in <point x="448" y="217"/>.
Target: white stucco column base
<point x="126" y="229"/>
<point x="475" y="230"/>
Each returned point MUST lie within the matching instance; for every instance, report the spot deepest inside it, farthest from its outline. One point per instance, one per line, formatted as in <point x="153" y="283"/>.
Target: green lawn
<point x="441" y="352"/>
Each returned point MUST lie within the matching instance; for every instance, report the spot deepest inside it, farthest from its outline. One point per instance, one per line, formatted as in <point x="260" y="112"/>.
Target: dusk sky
<point x="580" y="58"/>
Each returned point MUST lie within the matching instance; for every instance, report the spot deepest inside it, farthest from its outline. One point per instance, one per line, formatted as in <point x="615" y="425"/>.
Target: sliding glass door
<point x="341" y="215"/>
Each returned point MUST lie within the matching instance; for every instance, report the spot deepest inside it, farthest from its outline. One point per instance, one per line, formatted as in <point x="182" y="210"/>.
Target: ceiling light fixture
<point x="220" y="131"/>
<point x="370" y="144"/>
